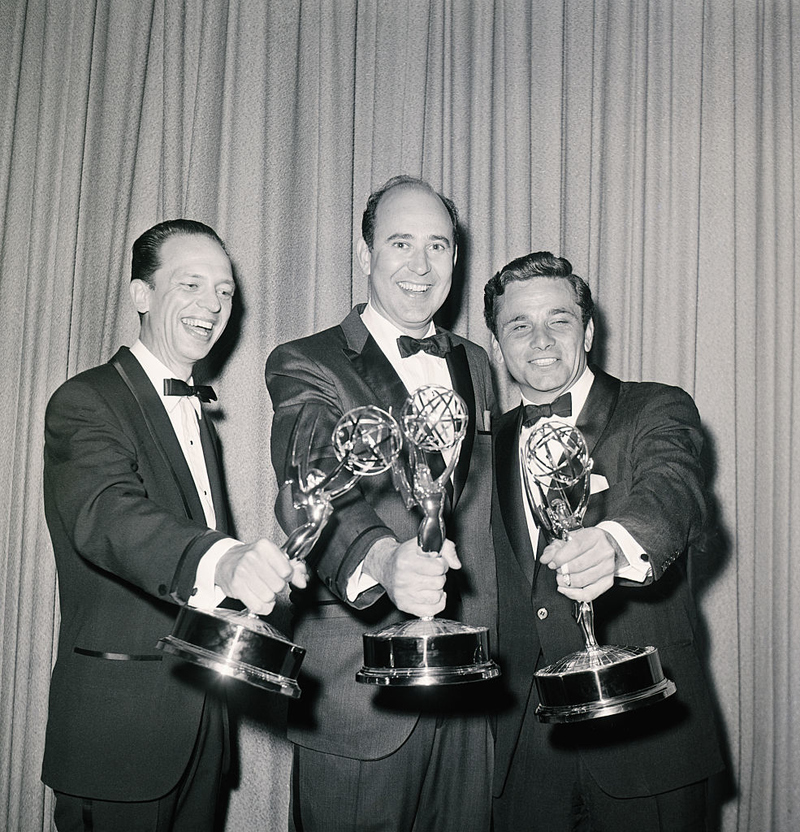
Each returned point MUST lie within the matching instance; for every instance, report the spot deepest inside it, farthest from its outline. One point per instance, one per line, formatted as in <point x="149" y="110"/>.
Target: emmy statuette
<point x="428" y="651"/>
<point x="240" y="644"/>
<point x="599" y="680"/>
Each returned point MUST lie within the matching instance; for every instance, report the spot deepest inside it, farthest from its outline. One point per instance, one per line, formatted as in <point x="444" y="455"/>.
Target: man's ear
<point x="140" y="295"/>
<point x="497" y="353"/>
<point x="364" y="256"/>
<point x="588" y="336"/>
<point x="455" y="255"/>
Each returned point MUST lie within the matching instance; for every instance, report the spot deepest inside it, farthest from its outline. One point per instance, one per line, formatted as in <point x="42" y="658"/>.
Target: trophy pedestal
<point x="239" y="645"/>
<point x="600" y="681"/>
<point x="427" y="651"/>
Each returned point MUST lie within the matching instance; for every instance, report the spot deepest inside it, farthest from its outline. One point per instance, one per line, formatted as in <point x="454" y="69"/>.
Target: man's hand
<point x="413" y="579"/>
<point x="256" y="573"/>
<point x="586" y="563"/>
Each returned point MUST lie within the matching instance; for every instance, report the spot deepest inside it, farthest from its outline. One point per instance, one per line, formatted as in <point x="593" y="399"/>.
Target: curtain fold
<point x="652" y="143"/>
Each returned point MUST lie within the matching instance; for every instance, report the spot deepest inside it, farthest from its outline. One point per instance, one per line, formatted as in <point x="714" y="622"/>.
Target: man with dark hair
<point x="136" y="509"/>
<point x="396" y="758"/>
<point x="647" y="769"/>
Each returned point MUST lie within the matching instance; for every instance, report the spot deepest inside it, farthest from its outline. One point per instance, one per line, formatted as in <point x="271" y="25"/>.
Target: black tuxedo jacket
<point x="325" y="375"/>
<point x="645" y="440"/>
<point x="128" y="531"/>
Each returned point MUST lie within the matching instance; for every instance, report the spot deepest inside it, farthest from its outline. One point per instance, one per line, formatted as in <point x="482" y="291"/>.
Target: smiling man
<point x="136" y="510"/>
<point x="647" y="770"/>
<point x="366" y="759"/>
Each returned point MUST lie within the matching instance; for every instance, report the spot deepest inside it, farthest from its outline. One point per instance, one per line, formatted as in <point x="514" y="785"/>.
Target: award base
<point x="427" y="651"/>
<point x="239" y="645"/>
<point x="600" y="681"/>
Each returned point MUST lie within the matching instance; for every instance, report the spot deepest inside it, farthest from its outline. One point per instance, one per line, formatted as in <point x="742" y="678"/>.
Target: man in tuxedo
<point x="396" y="758"/>
<point x="647" y="769"/>
<point x="136" y="510"/>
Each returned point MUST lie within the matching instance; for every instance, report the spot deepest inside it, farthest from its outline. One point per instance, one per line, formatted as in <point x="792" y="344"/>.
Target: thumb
<point x="449" y="554"/>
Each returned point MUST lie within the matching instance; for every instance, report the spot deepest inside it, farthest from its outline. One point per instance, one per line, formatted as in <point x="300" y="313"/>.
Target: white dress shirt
<point x="636" y="569"/>
<point x="414" y="371"/>
<point x="184" y="413"/>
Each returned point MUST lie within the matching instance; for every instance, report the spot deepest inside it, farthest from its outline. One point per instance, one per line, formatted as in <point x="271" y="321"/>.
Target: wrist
<point x="378" y="557"/>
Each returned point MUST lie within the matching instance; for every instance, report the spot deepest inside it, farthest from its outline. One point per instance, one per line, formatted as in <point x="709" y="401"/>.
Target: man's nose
<point x="210" y="300"/>
<point x="419" y="263"/>
<point x="541" y="337"/>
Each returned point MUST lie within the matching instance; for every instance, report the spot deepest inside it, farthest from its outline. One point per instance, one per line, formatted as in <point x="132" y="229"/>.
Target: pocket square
<point x="597" y="483"/>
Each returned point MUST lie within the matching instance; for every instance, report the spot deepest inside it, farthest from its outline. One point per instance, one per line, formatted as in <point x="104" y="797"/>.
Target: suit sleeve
<point x="307" y="404"/>
<point x="664" y="506"/>
<point x="107" y="500"/>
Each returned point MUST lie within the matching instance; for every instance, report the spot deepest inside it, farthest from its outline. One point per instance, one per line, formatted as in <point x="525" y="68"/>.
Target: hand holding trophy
<point x="599" y="680"/>
<point x="428" y="651"/>
<point x="240" y="644"/>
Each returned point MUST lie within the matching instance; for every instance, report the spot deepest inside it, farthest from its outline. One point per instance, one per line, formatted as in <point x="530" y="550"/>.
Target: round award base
<point x="239" y="645"/>
<point x="427" y="651"/>
<point x="600" y="681"/>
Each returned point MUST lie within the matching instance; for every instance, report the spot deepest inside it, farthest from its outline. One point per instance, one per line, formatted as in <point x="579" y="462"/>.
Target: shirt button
<point x="542" y="613"/>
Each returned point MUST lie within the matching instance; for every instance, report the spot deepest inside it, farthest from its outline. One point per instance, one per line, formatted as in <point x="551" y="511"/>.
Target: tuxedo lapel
<point x="509" y="490"/>
<point x="208" y="439"/>
<point x="598" y="407"/>
<point x="458" y="365"/>
<point x="372" y="365"/>
<point x="161" y="431"/>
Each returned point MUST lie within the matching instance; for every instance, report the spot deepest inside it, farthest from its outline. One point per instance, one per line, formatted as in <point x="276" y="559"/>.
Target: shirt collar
<point x="384" y="331"/>
<point x="157" y="371"/>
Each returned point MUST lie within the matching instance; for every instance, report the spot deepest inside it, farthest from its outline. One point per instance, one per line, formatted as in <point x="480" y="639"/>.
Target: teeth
<point x="543" y="362"/>
<point x="197" y="322"/>
<point x="413" y="287"/>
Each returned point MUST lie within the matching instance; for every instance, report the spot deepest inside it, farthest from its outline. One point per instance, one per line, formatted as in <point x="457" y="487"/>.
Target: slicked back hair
<point x="146" y="258"/>
<point x="538" y="264"/>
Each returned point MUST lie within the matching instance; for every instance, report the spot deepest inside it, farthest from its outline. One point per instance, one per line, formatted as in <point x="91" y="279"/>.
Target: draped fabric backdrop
<point x="652" y="143"/>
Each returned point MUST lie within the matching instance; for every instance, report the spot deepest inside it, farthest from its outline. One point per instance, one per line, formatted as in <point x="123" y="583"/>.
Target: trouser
<point x="439" y="779"/>
<point x="189" y="807"/>
<point x="551" y="790"/>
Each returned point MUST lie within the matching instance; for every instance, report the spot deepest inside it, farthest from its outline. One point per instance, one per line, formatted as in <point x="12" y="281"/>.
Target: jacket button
<point x="162" y="589"/>
<point x="542" y="613"/>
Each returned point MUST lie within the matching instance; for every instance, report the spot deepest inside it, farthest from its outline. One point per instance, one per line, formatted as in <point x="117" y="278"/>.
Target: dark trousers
<point x="438" y="780"/>
<point x="550" y="789"/>
<point x="190" y="806"/>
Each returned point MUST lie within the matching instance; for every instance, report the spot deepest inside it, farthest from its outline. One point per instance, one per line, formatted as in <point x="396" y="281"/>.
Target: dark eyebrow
<point x="514" y="320"/>
<point x="440" y="238"/>
<point x="197" y="276"/>
<point x="432" y="237"/>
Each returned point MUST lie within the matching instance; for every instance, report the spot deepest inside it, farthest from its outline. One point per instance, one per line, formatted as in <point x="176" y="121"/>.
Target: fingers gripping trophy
<point x="428" y="651"/>
<point x="240" y="644"/>
<point x="599" y="680"/>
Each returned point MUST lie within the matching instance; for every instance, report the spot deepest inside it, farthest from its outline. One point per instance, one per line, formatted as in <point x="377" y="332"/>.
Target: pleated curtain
<point x="652" y="143"/>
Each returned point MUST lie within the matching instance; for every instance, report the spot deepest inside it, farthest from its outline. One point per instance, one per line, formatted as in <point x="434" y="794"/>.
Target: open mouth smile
<point x="198" y="326"/>
<point x="414" y="288"/>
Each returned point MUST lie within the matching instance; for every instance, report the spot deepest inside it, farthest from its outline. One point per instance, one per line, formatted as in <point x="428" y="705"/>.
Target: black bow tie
<point x="437" y="345"/>
<point x="176" y="387"/>
<point x="562" y="406"/>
